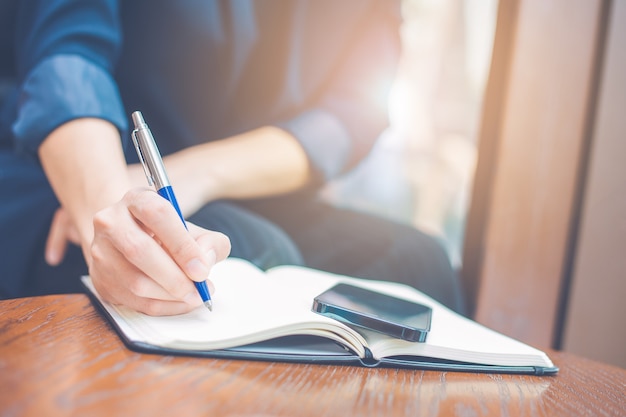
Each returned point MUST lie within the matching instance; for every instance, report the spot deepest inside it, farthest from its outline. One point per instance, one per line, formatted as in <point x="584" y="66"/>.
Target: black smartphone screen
<point x="375" y="311"/>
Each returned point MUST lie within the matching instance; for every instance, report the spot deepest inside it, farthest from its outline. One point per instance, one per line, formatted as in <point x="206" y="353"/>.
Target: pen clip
<point x="146" y="169"/>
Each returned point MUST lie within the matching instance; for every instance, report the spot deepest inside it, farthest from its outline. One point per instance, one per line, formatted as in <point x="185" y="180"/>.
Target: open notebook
<point x="267" y="316"/>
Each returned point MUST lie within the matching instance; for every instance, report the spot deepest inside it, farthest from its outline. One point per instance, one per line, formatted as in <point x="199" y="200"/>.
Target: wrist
<point x="86" y="175"/>
<point x="192" y="177"/>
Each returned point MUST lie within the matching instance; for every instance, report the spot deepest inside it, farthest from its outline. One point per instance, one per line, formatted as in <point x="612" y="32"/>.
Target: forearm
<point x="262" y="162"/>
<point x="85" y="165"/>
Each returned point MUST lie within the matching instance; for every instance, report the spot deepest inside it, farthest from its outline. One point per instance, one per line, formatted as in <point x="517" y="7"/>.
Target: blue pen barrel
<point x="168" y="193"/>
<point x="203" y="289"/>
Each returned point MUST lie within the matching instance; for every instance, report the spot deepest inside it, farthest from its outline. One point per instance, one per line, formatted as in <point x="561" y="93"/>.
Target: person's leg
<point x="61" y="279"/>
<point x="363" y="245"/>
<point x="252" y="237"/>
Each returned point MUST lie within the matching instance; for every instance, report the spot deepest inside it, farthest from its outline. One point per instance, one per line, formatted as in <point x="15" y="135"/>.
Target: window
<point x="421" y="171"/>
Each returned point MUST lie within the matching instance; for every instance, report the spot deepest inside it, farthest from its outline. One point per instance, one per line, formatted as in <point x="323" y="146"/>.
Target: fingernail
<point x="197" y="270"/>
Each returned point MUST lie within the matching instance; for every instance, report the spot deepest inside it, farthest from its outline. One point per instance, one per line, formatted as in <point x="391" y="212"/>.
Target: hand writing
<point x="143" y="257"/>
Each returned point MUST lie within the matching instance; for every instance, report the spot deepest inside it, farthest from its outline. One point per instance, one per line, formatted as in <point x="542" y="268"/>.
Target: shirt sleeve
<point x="342" y="126"/>
<point x="66" y="53"/>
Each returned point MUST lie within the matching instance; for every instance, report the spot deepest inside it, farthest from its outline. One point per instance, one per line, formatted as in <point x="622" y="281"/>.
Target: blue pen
<point x="155" y="172"/>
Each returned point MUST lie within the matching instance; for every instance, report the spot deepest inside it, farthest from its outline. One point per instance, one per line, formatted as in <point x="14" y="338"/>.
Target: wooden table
<point x="59" y="357"/>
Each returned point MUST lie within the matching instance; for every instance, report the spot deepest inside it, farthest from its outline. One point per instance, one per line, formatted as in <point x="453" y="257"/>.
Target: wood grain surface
<point x="59" y="357"/>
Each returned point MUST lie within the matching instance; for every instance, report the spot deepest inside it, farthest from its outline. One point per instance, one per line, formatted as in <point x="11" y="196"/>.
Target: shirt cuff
<point x="324" y="139"/>
<point x="60" y="89"/>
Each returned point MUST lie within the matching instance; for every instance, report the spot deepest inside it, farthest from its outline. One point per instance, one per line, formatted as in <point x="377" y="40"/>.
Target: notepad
<point x="266" y="315"/>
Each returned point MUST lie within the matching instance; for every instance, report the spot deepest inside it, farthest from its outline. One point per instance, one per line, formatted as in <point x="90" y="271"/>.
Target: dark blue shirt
<point x="206" y="70"/>
<point x="57" y="63"/>
<point x="202" y="70"/>
<point x="198" y="70"/>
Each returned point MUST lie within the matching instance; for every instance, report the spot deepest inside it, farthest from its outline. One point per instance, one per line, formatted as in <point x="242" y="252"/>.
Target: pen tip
<point x="208" y="304"/>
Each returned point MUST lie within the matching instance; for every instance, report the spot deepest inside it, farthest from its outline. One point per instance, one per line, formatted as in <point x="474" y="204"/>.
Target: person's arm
<point x="329" y="137"/>
<point x="85" y="165"/>
<point x="262" y="162"/>
<point x="138" y="252"/>
<point x="340" y="127"/>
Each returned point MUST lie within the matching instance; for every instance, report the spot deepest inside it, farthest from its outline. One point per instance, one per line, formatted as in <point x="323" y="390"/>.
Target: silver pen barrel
<point x="148" y="152"/>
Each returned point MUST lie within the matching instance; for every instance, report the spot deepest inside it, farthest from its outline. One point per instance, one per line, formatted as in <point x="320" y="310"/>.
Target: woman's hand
<point x="138" y="251"/>
<point x="143" y="257"/>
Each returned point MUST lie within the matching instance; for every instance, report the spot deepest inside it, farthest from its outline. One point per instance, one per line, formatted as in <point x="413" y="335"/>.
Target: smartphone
<point x="372" y="310"/>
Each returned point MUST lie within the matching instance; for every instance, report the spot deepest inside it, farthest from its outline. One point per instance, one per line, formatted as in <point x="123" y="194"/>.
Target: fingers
<point x="152" y="307"/>
<point x="144" y="257"/>
<point x="61" y="232"/>
<point x="215" y="244"/>
<point x="159" y="217"/>
<point x="56" y="244"/>
<point x="138" y="243"/>
<point x="135" y="290"/>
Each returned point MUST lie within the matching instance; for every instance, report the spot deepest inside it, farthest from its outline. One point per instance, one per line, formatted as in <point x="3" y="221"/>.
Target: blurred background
<point x="507" y="142"/>
<point x="422" y="168"/>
